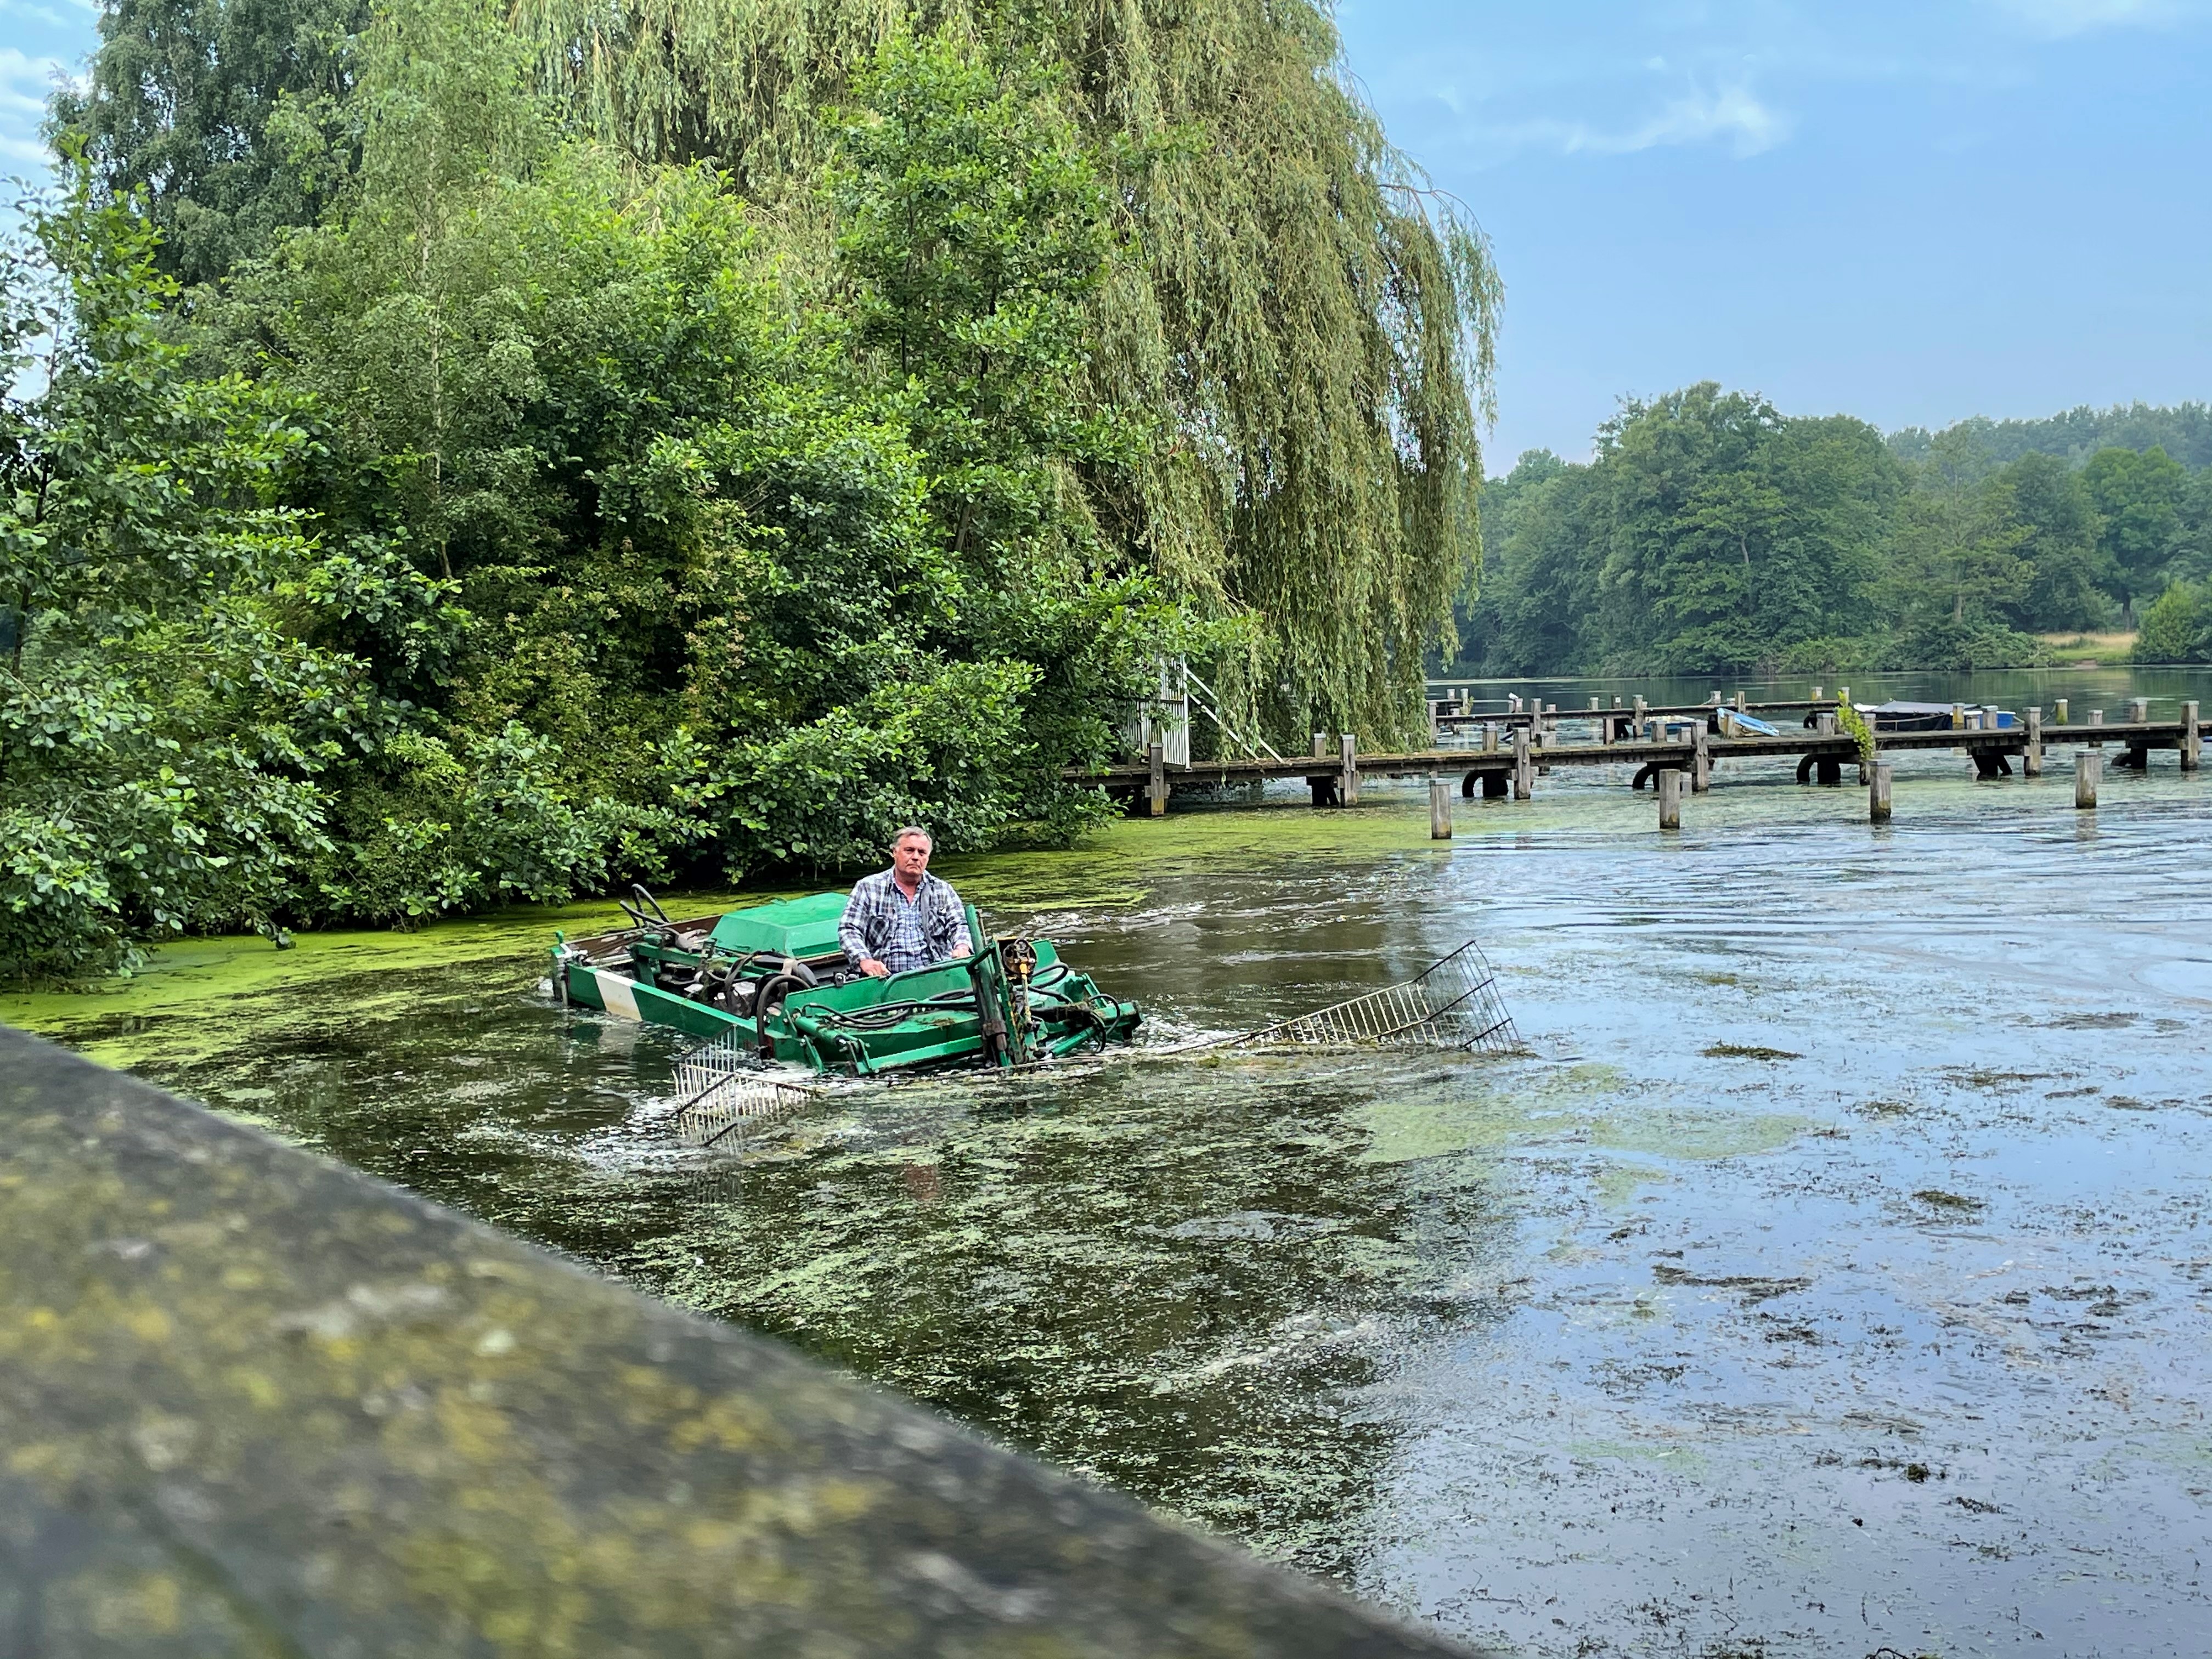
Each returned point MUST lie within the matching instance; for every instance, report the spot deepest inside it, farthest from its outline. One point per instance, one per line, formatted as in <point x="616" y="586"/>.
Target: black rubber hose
<point x="772" y="991"/>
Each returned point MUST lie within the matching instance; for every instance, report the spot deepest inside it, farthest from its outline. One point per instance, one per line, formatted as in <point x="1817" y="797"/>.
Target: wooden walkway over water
<point x="1506" y="753"/>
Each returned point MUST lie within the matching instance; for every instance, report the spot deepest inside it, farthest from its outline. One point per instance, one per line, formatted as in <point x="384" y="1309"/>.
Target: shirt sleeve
<point x="951" y="923"/>
<point x="853" y="928"/>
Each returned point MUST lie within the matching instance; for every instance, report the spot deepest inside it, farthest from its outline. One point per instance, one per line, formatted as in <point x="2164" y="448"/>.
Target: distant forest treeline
<point x="2184" y="432"/>
<point x="1711" y="533"/>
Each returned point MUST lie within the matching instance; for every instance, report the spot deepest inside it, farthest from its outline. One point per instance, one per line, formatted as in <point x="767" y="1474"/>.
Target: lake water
<point x="1833" y="1274"/>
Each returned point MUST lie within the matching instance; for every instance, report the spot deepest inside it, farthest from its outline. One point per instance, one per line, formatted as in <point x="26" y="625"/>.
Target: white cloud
<point x="1734" y="116"/>
<point x="25" y="83"/>
<point x="2058" y="18"/>
<point x="25" y="80"/>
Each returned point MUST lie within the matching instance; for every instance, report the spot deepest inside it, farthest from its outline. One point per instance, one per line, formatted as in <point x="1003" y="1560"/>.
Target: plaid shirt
<point x="873" y="913"/>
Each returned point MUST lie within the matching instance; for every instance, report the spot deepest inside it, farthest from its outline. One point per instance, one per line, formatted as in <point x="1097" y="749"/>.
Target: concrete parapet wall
<point x="252" y="1403"/>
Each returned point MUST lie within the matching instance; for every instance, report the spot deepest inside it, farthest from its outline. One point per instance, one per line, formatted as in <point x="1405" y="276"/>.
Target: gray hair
<point x="914" y="830"/>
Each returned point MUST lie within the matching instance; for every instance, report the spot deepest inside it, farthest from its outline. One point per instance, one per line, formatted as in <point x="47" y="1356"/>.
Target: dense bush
<point x="2178" y="627"/>
<point x="529" y="524"/>
<point x="166" y="736"/>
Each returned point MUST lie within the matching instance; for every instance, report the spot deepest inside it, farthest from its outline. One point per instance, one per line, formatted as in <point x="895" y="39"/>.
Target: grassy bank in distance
<point x="2088" y="650"/>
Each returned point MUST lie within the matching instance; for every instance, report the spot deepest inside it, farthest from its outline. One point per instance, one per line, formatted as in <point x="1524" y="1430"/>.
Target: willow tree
<point x="1312" y="323"/>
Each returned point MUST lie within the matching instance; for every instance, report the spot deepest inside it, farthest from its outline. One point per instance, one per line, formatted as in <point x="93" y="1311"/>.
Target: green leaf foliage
<point x="534" y="521"/>
<point x="2139" y="499"/>
<point x="1711" y="533"/>
<point x="167" y="735"/>
<point x="1308" y="325"/>
<point x="224" y="117"/>
<point x="1708" y="533"/>
<point x="2183" y="430"/>
<point x="2177" y="626"/>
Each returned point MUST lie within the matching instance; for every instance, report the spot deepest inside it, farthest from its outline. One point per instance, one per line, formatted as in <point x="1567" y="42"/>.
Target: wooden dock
<point x="1510" y="751"/>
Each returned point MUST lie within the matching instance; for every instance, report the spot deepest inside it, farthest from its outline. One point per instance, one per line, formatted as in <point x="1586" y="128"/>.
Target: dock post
<point x="1816" y="694"/>
<point x="2097" y="718"/>
<point x="1156" y="791"/>
<point x="1643" y="712"/>
<point x="1524" y="774"/>
<point x="2031" y="758"/>
<point x="1824" y="722"/>
<point x="1877" y="793"/>
<point x="1320" y="745"/>
<point x="2138" y="710"/>
<point x="1958" y="717"/>
<point x="1701" y="762"/>
<point x="2088" y="772"/>
<point x="1670" y="797"/>
<point x="1439" y="809"/>
<point x="1738" y="703"/>
<point x="1844" y="695"/>
<point x="2058" y="712"/>
<point x="2192" y="737"/>
<point x="1347" y="755"/>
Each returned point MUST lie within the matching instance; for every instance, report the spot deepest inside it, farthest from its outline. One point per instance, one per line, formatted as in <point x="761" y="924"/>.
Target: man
<point x="903" y="918"/>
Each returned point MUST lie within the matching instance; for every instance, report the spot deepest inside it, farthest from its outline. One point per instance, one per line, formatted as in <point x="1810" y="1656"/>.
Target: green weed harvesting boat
<point x="771" y="986"/>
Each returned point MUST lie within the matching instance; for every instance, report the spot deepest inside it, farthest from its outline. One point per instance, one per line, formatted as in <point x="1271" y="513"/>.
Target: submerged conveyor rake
<point x="1453" y="1003"/>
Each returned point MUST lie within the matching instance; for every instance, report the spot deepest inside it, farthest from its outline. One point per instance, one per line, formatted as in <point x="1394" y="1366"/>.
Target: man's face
<point x="911" y="856"/>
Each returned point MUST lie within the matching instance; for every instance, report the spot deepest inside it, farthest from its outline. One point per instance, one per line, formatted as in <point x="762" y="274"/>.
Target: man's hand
<point x="960" y="950"/>
<point x="873" y="968"/>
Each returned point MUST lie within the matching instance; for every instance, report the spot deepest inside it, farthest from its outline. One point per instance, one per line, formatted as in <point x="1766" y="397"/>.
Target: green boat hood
<point x="800" y="927"/>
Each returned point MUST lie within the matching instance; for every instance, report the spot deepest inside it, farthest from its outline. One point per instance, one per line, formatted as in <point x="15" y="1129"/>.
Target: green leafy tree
<point x="207" y="111"/>
<point x="1536" y="605"/>
<point x="166" y="726"/>
<point x="2069" y="571"/>
<point x="1956" y="574"/>
<point x="1735" y="533"/>
<point x="2177" y="626"/>
<point x="975" y="226"/>
<point x="2191" y="559"/>
<point x="1311" y="322"/>
<point x="753" y="581"/>
<point x="2183" y="430"/>
<point x="2138" y="498"/>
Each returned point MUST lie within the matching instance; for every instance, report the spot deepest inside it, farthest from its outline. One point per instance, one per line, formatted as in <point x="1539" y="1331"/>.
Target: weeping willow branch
<point x="1313" y="322"/>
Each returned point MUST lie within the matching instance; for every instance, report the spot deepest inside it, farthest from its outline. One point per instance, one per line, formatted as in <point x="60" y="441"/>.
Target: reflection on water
<point x="1836" y="1274"/>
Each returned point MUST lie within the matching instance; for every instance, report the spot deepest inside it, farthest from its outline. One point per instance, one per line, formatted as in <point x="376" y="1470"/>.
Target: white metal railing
<point x="1207" y="701"/>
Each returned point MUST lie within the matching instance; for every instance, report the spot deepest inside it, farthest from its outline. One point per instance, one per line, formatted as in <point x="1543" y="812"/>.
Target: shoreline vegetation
<point x="2080" y="650"/>
<point x="1711" y="533"/>
<point x="461" y="455"/>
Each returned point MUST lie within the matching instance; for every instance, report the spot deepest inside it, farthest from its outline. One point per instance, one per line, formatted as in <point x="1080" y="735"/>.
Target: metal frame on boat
<point x="770" y="984"/>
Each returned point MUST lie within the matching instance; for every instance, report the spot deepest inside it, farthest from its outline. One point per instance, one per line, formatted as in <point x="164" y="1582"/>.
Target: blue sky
<point x="1908" y="212"/>
<point x="1911" y="213"/>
